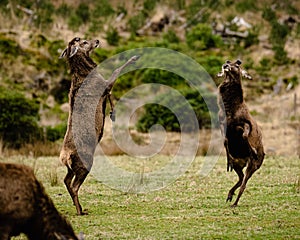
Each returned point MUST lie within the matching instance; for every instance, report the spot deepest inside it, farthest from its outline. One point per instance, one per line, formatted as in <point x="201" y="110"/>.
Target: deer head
<point x="233" y="70"/>
<point x="76" y="44"/>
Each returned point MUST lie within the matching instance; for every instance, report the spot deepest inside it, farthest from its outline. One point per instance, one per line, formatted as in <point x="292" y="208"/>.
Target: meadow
<point x="192" y="207"/>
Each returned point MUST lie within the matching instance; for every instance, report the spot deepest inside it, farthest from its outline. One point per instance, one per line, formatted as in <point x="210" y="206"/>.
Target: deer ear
<point x="220" y="74"/>
<point x="239" y="62"/>
<point x="246" y="75"/>
<point x="73" y="51"/>
<point x="64" y="53"/>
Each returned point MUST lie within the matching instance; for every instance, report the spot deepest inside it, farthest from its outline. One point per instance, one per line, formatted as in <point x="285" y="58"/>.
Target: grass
<point x="190" y="208"/>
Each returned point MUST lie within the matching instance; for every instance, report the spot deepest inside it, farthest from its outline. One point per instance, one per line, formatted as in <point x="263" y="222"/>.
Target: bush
<point x="56" y="133"/>
<point x="18" y="119"/>
<point x="102" y="9"/>
<point x="83" y="12"/>
<point x="200" y="37"/>
<point x="246" y="5"/>
<point x="112" y="36"/>
<point x="45" y="10"/>
<point x="280" y="54"/>
<point x="9" y="46"/>
<point x="269" y="14"/>
<point x="279" y="33"/>
<point x="159" y="114"/>
<point x="171" y="37"/>
<point x="163" y="77"/>
<point x="136" y="22"/>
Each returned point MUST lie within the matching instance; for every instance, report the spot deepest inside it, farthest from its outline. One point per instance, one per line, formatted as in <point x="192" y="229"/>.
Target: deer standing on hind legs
<point x="83" y="70"/>
<point x="242" y="136"/>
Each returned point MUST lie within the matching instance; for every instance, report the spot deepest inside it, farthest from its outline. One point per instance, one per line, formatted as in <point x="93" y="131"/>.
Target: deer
<point x="26" y="208"/>
<point x="242" y="136"/>
<point x="82" y="68"/>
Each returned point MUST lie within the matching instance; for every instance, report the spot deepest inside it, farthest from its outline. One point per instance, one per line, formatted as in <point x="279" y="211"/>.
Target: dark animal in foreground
<point x="26" y="208"/>
<point x="82" y="68"/>
<point x="242" y="136"/>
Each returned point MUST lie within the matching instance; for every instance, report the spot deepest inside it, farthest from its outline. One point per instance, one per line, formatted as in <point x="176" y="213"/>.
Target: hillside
<point x="265" y="35"/>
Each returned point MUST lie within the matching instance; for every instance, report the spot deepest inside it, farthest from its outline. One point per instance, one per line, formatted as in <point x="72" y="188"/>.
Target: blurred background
<point x="34" y="82"/>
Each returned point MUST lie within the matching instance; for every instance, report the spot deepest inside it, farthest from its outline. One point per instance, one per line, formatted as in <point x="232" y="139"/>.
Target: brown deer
<point x="84" y="72"/>
<point x="242" y="136"/>
<point x="26" y="208"/>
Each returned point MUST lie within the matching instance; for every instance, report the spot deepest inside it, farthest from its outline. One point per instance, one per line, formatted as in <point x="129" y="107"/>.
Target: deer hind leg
<point x="251" y="168"/>
<point x="79" y="179"/>
<point x="68" y="181"/>
<point x="229" y="157"/>
<point x="239" y="171"/>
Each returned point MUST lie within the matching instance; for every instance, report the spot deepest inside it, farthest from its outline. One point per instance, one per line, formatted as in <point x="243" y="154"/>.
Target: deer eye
<point x="77" y="39"/>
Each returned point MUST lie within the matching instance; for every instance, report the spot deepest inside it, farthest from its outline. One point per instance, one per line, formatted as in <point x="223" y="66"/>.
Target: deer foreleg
<point x="246" y="132"/>
<point x="117" y="72"/>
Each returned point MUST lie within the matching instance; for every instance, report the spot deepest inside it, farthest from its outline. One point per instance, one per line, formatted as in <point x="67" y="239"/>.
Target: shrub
<point x="280" y="54"/>
<point x="246" y="5"/>
<point x="159" y="114"/>
<point x="171" y="37"/>
<point x="200" y="37"/>
<point x="56" y="133"/>
<point x="18" y="119"/>
<point x="211" y="63"/>
<point x="279" y="33"/>
<point x="251" y="39"/>
<point x="112" y="36"/>
<point x="45" y="10"/>
<point x="163" y="77"/>
<point x="102" y="9"/>
<point x="9" y="46"/>
<point x="269" y="14"/>
<point x="136" y="22"/>
<point x="83" y="12"/>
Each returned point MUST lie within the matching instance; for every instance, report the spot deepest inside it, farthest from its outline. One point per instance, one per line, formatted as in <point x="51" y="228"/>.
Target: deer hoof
<point x="229" y="198"/>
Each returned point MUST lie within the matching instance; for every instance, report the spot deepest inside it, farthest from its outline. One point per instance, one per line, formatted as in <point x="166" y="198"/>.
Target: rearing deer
<point x="242" y="136"/>
<point x="81" y="66"/>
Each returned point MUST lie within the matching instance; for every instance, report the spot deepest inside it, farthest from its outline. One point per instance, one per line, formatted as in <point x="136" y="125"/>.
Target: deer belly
<point x="237" y="146"/>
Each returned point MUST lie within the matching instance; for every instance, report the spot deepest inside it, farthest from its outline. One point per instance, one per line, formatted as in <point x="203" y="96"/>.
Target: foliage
<point x="279" y="33"/>
<point x="162" y="77"/>
<point x="201" y="37"/>
<point x="83" y="12"/>
<point x="280" y="54"/>
<point x="102" y="9"/>
<point x="246" y="5"/>
<point x="9" y="46"/>
<point x="44" y="10"/>
<point x="149" y="5"/>
<point x="136" y="22"/>
<point x="251" y="39"/>
<point x="269" y="14"/>
<point x="64" y="10"/>
<point x="212" y="64"/>
<point x="159" y="114"/>
<point x="56" y="133"/>
<point x="112" y="36"/>
<point x="18" y="119"/>
<point x="171" y="37"/>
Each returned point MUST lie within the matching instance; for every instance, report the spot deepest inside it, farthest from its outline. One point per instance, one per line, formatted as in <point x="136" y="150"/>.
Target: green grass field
<point x="190" y="208"/>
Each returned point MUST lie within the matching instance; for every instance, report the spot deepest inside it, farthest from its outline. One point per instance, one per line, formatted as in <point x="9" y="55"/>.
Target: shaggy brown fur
<point x="83" y="70"/>
<point x="26" y="208"/>
<point x="242" y="136"/>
